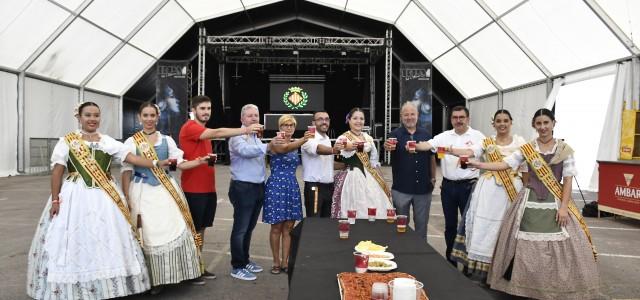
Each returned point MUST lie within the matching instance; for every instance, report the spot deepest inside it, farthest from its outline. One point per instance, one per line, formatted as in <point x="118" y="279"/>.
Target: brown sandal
<point x="275" y="270"/>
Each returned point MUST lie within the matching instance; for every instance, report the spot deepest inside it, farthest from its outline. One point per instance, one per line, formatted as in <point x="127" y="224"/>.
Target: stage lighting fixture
<point x="295" y="52"/>
<point x="247" y="52"/>
<point x="343" y="53"/>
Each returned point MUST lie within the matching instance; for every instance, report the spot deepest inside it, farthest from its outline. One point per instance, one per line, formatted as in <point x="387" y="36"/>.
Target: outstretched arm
<point x="213" y="133"/>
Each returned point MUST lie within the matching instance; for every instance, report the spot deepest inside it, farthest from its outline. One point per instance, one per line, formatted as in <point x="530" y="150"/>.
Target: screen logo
<point x="295" y="98"/>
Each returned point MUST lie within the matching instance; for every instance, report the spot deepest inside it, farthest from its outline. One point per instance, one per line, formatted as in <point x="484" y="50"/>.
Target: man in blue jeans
<point x="246" y="192"/>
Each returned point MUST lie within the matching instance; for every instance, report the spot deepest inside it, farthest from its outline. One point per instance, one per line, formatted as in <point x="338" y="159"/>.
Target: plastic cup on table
<point x="401" y="223"/>
<point x="361" y="262"/>
<point x="405" y="289"/>
<point x="391" y="215"/>
<point x="379" y="291"/>
<point x="371" y="211"/>
<point x="343" y="229"/>
<point x="351" y="216"/>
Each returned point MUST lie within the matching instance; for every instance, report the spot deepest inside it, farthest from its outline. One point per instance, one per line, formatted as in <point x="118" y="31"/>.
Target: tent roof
<point x="480" y="46"/>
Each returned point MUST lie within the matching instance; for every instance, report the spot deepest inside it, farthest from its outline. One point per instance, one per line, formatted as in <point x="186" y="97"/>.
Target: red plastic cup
<point x="351" y="215"/>
<point x="343" y="229"/>
<point x="312" y="129"/>
<point x="361" y="262"/>
<point x="391" y="215"/>
<point x="360" y="146"/>
<point x="441" y="152"/>
<point x="212" y="159"/>
<point x="464" y="159"/>
<point x="411" y="145"/>
<point x="401" y="223"/>
<point x="260" y="132"/>
<point x="173" y="164"/>
<point x="372" y="214"/>
<point x="392" y="140"/>
<point x="281" y="134"/>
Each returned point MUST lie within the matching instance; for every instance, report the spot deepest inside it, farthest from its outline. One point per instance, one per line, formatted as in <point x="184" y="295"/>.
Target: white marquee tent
<point x="516" y="54"/>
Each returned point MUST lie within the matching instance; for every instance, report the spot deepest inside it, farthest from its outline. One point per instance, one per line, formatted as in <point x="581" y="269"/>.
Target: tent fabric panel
<point x="564" y="34"/>
<point x="9" y="128"/>
<point x="75" y="53"/>
<point x="16" y="24"/>
<point x="336" y="4"/>
<point x="447" y="13"/>
<point x="499" y="7"/>
<point x="125" y="67"/>
<point x="423" y="33"/>
<point x="69" y="4"/>
<point x="381" y="10"/>
<point x="459" y="70"/>
<point x="501" y="58"/>
<point x="171" y="22"/>
<point x="621" y="12"/>
<point x="480" y="113"/>
<point x="522" y="104"/>
<point x="110" y="112"/>
<point x="204" y="10"/>
<point x="119" y="17"/>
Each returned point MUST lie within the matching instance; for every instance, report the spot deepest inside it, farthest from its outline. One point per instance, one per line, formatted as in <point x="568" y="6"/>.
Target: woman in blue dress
<point x="282" y="203"/>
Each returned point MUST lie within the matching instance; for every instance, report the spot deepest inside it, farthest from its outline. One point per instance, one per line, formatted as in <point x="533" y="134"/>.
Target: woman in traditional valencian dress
<point x="544" y="248"/>
<point x="85" y="246"/>
<point x="363" y="187"/>
<point x="170" y="242"/>
<point x="491" y="197"/>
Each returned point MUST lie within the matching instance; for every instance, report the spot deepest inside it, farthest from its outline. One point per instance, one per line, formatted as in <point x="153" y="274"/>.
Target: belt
<point x="461" y="181"/>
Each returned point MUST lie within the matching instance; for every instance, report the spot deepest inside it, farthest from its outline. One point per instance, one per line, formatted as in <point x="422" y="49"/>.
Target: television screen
<point x="296" y="97"/>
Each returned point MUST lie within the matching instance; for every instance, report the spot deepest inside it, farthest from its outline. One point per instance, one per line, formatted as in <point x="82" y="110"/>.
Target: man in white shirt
<point x="317" y="169"/>
<point x="457" y="183"/>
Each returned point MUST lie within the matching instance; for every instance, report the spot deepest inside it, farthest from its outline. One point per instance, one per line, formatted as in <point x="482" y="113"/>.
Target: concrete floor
<point x="22" y="199"/>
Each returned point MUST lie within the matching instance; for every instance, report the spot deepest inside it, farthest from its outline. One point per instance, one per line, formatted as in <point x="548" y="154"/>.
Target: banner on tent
<point x="415" y="86"/>
<point x="172" y="95"/>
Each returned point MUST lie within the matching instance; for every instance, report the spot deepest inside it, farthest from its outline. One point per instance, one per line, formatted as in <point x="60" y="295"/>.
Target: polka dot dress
<point x="282" y="194"/>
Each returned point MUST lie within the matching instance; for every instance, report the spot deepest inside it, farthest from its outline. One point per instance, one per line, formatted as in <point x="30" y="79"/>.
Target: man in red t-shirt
<point x="199" y="183"/>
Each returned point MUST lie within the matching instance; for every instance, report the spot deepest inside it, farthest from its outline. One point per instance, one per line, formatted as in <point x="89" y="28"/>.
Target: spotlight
<point x="295" y="52"/>
<point x="247" y="52"/>
<point x="343" y="53"/>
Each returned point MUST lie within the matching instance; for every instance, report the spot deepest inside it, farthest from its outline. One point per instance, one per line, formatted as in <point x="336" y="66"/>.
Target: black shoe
<point x="208" y="275"/>
<point x="156" y="290"/>
<point x="197" y="281"/>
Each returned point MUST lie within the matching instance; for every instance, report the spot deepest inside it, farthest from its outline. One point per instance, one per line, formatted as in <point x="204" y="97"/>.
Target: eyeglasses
<point x="323" y="119"/>
<point x="288" y="125"/>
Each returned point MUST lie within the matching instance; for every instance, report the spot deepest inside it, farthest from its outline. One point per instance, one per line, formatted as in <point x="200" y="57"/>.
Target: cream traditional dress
<point x="363" y="187"/>
<point x="535" y="257"/>
<point x="89" y="250"/>
<point x="477" y="235"/>
<point x="168" y="243"/>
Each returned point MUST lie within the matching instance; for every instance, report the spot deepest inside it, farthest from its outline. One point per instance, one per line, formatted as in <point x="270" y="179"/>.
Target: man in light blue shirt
<point x="246" y="192"/>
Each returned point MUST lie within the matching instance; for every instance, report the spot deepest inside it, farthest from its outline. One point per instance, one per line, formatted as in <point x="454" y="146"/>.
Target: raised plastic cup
<point x="411" y="146"/>
<point x="212" y="159"/>
<point x="441" y="152"/>
<point x="464" y="159"/>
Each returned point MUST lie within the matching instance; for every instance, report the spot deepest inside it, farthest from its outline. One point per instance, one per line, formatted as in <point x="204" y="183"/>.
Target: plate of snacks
<point x="381" y="265"/>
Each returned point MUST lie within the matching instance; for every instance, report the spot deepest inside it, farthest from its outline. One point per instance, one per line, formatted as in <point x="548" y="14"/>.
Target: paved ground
<point x="22" y="199"/>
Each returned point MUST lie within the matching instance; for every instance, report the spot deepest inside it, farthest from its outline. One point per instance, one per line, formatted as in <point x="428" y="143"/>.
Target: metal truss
<point x="202" y="51"/>
<point x="297" y="60"/>
<point x="388" y="78"/>
<point x="294" y="42"/>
